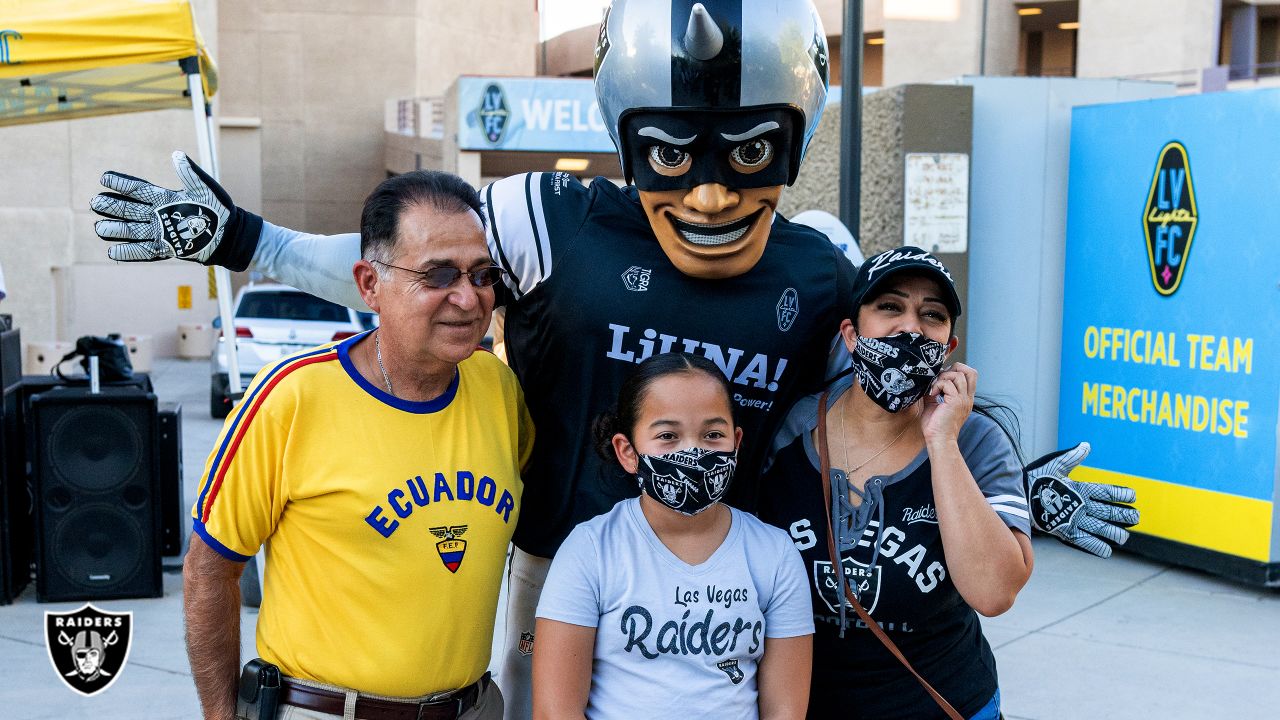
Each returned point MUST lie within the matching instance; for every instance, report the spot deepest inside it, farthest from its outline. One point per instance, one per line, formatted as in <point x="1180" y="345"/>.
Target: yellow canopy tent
<point x="64" y="59"/>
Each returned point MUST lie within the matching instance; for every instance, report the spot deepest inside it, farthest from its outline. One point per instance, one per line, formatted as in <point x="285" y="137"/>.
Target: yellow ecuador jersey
<point x="386" y="521"/>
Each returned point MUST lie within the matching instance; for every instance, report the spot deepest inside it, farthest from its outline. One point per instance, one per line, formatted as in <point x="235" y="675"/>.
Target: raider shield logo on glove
<point x="187" y="227"/>
<point x="1055" y="504"/>
<point x="88" y="647"/>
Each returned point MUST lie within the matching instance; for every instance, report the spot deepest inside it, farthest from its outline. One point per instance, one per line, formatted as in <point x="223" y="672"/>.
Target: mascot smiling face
<point x="712" y="105"/>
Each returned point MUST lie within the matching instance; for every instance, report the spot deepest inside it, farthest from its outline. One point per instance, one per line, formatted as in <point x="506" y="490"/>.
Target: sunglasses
<point x="444" y="277"/>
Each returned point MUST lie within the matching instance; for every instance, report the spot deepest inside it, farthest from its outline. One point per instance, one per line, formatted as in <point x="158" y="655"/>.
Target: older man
<point x="383" y="474"/>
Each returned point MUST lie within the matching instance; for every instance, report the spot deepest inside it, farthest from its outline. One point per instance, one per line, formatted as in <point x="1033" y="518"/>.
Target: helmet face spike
<point x="702" y="38"/>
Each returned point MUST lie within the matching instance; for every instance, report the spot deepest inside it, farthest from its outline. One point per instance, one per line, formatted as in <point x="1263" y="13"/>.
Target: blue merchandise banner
<point x="1171" y="318"/>
<point x="530" y="114"/>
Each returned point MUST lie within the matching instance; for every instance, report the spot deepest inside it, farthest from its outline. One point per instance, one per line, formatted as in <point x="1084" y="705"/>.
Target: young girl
<point x="673" y="604"/>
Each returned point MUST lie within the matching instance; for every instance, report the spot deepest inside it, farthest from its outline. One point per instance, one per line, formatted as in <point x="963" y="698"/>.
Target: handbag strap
<point x="825" y="461"/>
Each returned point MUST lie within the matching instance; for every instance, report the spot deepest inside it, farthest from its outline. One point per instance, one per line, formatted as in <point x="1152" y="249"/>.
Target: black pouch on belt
<point x="259" y="693"/>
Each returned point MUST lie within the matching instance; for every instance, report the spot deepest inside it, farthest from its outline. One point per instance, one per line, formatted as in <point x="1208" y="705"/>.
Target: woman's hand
<point x="948" y="404"/>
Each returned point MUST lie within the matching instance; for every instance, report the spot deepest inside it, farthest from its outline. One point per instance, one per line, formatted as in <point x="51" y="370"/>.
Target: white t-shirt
<point x="675" y="640"/>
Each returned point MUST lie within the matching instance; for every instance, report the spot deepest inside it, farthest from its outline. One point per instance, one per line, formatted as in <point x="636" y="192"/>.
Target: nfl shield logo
<point x="863" y="581"/>
<point x="88" y="647"/>
<point x="526" y="643"/>
<point x="451" y="547"/>
<point x="187" y="227"/>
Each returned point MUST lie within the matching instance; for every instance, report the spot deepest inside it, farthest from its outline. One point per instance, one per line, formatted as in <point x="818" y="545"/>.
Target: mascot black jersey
<point x="592" y="294"/>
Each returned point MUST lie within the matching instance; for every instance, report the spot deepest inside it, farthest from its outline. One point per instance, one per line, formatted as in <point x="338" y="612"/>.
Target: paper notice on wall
<point x="937" y="202"/>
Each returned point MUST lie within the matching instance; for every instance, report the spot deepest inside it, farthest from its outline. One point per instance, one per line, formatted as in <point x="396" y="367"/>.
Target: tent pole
<point x="222" y="276"/>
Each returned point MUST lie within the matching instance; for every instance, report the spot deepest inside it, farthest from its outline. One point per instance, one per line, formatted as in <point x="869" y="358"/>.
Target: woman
<point x="673" y="605"/>
<point x="926" y="506"/>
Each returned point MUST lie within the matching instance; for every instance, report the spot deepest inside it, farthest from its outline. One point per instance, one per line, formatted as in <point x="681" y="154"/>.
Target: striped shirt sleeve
<point x="240" y="496"/>
<point x="996" y="468"/>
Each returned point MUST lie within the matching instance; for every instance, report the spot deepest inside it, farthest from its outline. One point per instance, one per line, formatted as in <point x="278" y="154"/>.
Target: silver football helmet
<point x="653" y="55"/>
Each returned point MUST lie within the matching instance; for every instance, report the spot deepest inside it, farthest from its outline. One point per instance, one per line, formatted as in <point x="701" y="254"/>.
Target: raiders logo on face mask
<point x="896" y="370"/>
<point x="687" y="481"/>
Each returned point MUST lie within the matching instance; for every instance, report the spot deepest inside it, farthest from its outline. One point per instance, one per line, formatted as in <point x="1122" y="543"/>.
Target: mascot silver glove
<point x="198" y="223"/>
<point x="1085" y="516"/>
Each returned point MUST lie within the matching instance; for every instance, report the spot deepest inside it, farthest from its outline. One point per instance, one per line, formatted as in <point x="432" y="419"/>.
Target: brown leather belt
<point x="333" y="702"/>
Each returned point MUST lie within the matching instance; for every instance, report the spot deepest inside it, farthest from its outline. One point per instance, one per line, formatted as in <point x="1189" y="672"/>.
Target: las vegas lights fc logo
<point x="1169" y="220"/>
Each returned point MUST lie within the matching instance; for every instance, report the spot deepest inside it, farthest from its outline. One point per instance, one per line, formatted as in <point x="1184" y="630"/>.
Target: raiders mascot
<point x="711" y="106"/>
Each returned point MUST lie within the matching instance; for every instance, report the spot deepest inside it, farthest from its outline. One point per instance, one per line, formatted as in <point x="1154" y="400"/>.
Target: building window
<point x="1047" y="44"/>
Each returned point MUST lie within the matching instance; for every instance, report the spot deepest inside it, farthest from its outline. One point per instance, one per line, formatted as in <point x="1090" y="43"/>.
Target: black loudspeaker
<point x="10" y="358"/>
<point x="16" y="503"/>
<point x="173" y="526"/>
<point x="94" y="460"/>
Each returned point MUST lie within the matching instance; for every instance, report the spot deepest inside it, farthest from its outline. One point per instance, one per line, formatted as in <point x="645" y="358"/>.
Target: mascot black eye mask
<point x="736" y="149"/>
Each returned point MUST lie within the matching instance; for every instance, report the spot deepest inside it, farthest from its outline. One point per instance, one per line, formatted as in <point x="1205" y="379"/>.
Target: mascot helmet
<point x="713" y="55"/>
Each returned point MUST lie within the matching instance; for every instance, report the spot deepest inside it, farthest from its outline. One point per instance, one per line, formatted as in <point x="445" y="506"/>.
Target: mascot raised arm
<point x="712" y="106"/>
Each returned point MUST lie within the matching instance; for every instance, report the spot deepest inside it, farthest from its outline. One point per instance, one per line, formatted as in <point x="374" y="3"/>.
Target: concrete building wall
<point x="1136" y="37"/>
<point x="318" y="73"/>
<point x="926" y="50"/>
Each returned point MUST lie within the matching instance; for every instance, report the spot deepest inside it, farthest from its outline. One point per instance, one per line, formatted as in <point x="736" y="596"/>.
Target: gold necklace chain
<point x="844" y="436"/>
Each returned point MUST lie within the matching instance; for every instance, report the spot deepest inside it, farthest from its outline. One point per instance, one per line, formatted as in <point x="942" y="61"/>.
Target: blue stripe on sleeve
<point x="218" y="547"/>
<point x="240" y="413"/>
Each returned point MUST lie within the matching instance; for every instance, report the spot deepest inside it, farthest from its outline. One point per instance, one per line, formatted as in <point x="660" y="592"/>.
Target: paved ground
<point x="1122" y="638"/>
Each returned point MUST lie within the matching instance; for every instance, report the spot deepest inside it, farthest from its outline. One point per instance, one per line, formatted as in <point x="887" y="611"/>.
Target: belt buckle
<point x="435" y="704"/>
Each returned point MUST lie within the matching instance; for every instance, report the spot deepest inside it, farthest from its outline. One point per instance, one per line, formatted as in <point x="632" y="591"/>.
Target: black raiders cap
<point x="878" y="268"/>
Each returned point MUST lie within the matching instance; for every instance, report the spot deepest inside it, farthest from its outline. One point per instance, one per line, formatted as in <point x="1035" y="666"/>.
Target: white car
<point x="273" y="321"/>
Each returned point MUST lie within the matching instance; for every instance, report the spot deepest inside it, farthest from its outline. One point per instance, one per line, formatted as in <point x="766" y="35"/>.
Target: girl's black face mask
<point x="896" y="370"/>
<point x="687" y="481"/>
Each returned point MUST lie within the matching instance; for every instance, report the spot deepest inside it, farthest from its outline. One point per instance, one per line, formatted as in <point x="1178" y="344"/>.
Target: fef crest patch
<point x="451" y="546"/>
<point x="88" y="647"/>
<point x="1170" y="217"/>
